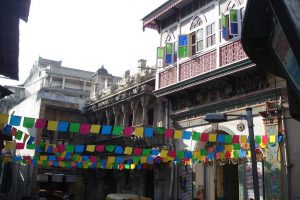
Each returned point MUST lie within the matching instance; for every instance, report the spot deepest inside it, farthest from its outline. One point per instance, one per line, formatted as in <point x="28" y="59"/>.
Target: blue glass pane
<point x="233" y="28"/>
<point x="183" y="40"/>
<point x="224" y="33"/>
<point x="168" y="58"/>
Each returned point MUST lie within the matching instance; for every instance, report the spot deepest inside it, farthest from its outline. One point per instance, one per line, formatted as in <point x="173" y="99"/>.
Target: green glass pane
<point x="118" y="130"/>
<point x="28" y="122"/>
<point x="183" y="52"/>
<point x="160" y="52"/>
<point x="146" y="152"/>
<point x="74" y="127"/>
<point x="233" y="15"/>
<point x="196" y="136"/>
<point x="70" y="148"/>
<point x="169" y="48"/>
<point x="224" y="21"/>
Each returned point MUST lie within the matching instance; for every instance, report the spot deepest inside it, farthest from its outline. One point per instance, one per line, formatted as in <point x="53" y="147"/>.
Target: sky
<point x="86" y="34"/>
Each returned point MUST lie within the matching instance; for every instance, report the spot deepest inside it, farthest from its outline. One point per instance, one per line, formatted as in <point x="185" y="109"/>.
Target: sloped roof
<point x="4" y="92"/>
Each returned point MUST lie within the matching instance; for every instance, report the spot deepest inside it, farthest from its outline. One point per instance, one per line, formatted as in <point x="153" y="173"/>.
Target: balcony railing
<point x="228" y="54"/>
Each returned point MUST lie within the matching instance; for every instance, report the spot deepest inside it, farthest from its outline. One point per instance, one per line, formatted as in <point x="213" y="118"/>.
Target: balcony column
<point x="116" y="113"/>
<point x="145" y="102"/>
<point x="108" y="117"/>
<point x="98" y="117"/>
<point x="159" y="110"/>
<point x="125" y="115"/>
<point x="133" y="107"/>
<point x="84" y="86"/>
<point x="63" y="83"/>
<point x="50" y="81"/>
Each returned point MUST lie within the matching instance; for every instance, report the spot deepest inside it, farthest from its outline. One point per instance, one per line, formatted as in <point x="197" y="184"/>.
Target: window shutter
<point x="225" y="31"/>
<point x="233" y="22"/>
<point x="169" y="53"/>
<point x="160" y="55"/>
<point x="183" y="46"/>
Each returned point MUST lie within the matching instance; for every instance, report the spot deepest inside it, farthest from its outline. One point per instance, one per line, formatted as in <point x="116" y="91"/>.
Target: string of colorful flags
<point x="60" y="155"/>
<point x="117" y="130"/>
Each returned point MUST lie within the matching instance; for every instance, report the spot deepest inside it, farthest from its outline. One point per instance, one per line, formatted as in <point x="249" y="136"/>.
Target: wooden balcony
<point x="214" y="59"/>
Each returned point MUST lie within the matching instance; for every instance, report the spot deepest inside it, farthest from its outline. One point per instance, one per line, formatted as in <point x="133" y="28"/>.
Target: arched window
<point x="170" y="48"/>
<point x="196" y="22"/>
<point x="197" y="36"/>
<point x="231" y="20"/>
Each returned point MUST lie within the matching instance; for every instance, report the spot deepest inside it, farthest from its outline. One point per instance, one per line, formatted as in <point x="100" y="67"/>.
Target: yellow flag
<point x="128" y="150"/>
<point x="196" y="154"/>
<point x="9" y="145"/>
<point x="228" y="147"/>
<point x="178" y="134"/>
<point x="164" y="153"/>
<point x="42" y="158"/>
<point x="243" y="139"/>
<point x="132" y="166"/>
<point x="111" y="159"/>
<point x="52" y="125"/>
<point x="90" y="148"/>
<point x="95" y="128"/>
<point x="143" y="159"/>
<point x="222" y="155"/>
<point x="166" y="159"/>
<point x="139" y="131"/>
<point x="3" y="119"/>
<point x="272" y="139"/>
<point x="212" y="137"/>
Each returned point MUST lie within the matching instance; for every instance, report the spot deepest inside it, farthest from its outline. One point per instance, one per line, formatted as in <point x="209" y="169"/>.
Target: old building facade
<point x="51" y="92"/>
<point x="127" y="102"/>
<point x="202" y="68"/>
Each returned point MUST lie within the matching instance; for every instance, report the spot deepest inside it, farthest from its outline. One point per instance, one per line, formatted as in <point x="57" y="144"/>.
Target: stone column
<point x="63" y="83"/>
<point x="145" y="101"/>
<point x="50" y="81"/>
<point x="84" y="86"/>
<point x="159" y="112"/>
<point x="125" y="115"/>
<point x="116" y="115"/>
<point x="272" y="167"/>
<point x="133" y="107"/>
<point x="108" y="117"/>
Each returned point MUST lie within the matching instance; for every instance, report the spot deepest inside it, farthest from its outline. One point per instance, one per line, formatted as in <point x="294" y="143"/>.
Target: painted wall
<point x="292" y="128"/>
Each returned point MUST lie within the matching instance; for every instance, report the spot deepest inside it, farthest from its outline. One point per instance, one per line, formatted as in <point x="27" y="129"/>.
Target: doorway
<point x="227" y="182"/>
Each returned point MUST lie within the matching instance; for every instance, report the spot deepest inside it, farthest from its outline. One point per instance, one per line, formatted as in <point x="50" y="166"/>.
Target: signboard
<point x="293" y="8"/>
<point x="249" y="180"/>
<point x="286" y="57"/>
